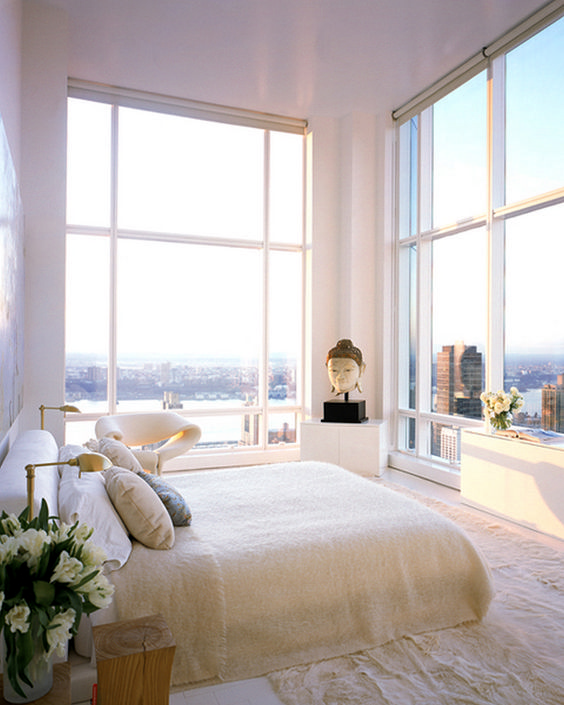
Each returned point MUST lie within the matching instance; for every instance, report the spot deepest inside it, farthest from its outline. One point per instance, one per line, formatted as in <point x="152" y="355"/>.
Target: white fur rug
<point x="515" y="656"/>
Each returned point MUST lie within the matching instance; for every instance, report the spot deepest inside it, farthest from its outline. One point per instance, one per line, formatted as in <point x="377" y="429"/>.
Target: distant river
<point x="533" y="401"/>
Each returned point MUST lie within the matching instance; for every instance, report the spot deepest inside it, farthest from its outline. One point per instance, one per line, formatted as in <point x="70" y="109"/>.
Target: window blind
<point x="480" y="61"/>
<point x="187" y="108"/>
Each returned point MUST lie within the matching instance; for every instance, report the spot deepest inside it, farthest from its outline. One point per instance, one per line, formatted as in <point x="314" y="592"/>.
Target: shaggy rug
<point x="515" y="656"/>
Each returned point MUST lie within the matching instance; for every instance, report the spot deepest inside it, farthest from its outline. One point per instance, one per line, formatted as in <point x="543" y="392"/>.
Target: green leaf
<point x="23" y="517"/>
<point x="12" y="664"/>
<point x="44" y="560"/>
<point x="44" y="592"/>
<point x="86" y="579"/>
<point x="44" y="516"/>
<point x="24" y="653"/>
<point x="74" y="600"/>
<point x="44" y="617"/>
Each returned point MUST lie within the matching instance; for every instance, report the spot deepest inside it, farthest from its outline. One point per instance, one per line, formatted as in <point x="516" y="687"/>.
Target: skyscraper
<point x="553" y="406"/>
<point x="459" y="385"/>
<point x="459" y="380"/>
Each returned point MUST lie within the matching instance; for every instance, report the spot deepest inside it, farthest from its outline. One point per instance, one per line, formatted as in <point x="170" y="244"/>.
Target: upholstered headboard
<point x="30" y="447"/>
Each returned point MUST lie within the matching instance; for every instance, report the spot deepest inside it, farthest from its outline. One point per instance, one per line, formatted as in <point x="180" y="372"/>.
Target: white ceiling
<point x="293" y="57"/>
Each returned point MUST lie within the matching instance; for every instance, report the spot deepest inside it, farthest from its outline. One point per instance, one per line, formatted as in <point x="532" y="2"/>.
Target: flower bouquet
<point x="50" y="574"/>
<point x="499" y="407"/>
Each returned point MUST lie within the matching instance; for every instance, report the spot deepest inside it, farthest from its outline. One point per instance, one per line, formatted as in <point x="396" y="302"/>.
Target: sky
<point x="534" y="165"/>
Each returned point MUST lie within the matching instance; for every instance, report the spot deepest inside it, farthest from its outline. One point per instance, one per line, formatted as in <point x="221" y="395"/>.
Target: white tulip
<point x="67" y="569"/>
<point x="17" y="618"/>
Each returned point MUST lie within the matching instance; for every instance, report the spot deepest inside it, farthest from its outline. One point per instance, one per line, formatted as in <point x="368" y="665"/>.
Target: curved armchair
<point x="151" y="427"/>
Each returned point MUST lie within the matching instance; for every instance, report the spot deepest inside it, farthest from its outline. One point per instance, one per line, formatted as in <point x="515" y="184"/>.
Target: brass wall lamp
<point x="65" y="408"/>
<point x="87" y="462"/>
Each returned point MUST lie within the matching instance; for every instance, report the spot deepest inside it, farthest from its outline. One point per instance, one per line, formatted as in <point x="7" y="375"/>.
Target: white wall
<point x="348" y="260"/>
<point x="43" y="184"/>
<point x="10" y="73"/>
<point x="10" y="80"/>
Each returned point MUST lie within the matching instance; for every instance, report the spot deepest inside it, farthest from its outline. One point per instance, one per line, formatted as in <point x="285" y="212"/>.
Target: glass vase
<point x="40" y="672"/>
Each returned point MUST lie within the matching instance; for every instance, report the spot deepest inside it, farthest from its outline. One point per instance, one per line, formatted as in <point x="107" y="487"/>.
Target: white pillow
<point x="140" y="508"/>
<point x="85" y="500"/>
<point x="119" y="454"/>
<point x="69" y="452"/>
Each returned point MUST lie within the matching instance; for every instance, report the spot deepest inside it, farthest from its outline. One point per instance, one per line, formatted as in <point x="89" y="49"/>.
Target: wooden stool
<point x="134" y="661"/>
<point x="60" y="693"/>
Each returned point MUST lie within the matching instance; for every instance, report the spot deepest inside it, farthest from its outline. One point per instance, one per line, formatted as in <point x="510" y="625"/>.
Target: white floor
<point x="257" y="691"/>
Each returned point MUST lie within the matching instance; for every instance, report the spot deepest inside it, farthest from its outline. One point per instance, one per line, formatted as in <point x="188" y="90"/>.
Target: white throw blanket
<point x="306" y="561"/>
<point x="184" y="585"/>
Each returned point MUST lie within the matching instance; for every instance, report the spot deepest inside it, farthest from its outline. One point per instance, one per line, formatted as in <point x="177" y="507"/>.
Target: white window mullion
<point x="302" y="381"/>
<point x="425" y="208"/>
<point x="424" y="283"/>
<point x="496" y="227"/>
<point x="265" y="294"/>
<point x="112" y="353"/>
<point x="403" y="325"/>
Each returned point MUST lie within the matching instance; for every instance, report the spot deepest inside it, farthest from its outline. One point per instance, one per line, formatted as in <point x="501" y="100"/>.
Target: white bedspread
<point x="290" y="563"/>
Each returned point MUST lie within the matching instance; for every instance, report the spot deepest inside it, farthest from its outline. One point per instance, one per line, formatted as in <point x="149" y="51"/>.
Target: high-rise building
<point x="449" y="444"/>
<point x="459" y="380"/>
<point x="553" y="406"/>
<point x="459" y="385"/>
<point x="96" y="374"/>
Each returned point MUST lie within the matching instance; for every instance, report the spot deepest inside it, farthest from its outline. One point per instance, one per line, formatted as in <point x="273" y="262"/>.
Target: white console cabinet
<point x="514" y="479"/>
<point x="358" y="447"/>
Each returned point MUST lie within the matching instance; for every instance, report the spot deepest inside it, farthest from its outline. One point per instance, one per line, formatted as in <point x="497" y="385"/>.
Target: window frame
<point x="492" y="59"/>
<point x="264" y="450"/>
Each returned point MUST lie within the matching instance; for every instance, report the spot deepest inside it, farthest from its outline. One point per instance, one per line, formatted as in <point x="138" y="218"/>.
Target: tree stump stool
<point x="134" y="661"/>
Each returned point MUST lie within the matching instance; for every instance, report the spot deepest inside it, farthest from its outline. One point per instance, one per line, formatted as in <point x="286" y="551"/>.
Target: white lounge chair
<point x="143" y="429"/>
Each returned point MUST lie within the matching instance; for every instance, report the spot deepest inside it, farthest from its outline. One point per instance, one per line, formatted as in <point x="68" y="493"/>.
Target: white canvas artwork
<point x="11" y="290"/>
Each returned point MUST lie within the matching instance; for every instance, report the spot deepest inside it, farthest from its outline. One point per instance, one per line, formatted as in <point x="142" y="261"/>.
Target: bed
<point x="285" y="564"/>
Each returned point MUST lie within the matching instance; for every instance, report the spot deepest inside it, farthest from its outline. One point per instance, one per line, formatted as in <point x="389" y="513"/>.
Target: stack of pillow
<point x="122" y="501"/>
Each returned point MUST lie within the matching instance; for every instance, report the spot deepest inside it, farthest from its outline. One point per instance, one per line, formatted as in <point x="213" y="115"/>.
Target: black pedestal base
<point x="343" y="411"/>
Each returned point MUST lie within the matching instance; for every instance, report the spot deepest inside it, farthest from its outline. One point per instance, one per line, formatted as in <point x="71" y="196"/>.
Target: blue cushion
<point x="172" y="499"/>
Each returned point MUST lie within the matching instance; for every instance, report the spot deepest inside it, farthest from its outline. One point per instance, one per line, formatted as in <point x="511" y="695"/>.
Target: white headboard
<point x="29" y="448"/>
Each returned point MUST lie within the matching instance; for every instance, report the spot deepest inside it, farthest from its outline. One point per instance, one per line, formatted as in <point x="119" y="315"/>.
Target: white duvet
<point x="290" y="563"/>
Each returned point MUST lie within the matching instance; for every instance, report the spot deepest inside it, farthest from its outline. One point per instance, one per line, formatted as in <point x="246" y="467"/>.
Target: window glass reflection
<point x="534" y="334"/>
<point x="534" y="108"/>
<point x="285" y="329"/>
<point x="189" y="322"/>
<point x="459" y="322"/>
<point x="460" y="153"/>
<point x="286" y="188"/>
<point x="88" y="163"/>
<point x="186" y="176"/>
<point x="86" y="322"/>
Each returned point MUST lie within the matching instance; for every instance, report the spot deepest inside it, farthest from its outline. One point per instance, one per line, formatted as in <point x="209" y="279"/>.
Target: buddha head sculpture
<point x="345" y="367"/>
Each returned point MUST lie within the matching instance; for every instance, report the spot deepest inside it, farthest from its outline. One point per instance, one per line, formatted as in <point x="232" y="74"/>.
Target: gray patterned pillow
<point x="172" y="499"/>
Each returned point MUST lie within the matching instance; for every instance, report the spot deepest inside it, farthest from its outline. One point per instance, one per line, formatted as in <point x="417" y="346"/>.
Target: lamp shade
<point x="91" y="462"/>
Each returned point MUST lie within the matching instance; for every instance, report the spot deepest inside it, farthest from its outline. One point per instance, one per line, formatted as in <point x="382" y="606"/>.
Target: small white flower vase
<point x="40" y="674"/>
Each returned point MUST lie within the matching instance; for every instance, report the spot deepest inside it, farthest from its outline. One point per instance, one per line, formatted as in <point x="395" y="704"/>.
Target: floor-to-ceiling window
<point x="480" y="244"/>
<point x="185" y="268"/>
